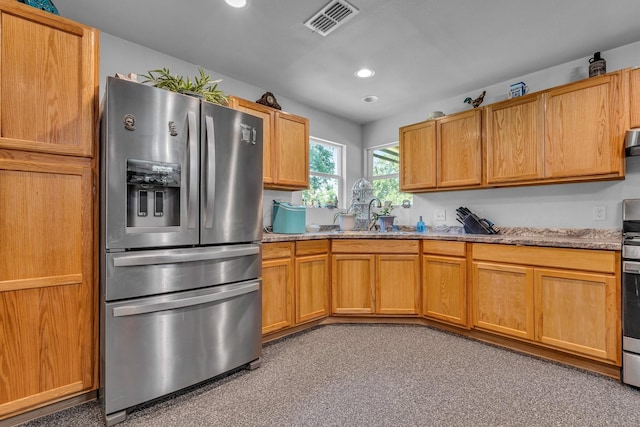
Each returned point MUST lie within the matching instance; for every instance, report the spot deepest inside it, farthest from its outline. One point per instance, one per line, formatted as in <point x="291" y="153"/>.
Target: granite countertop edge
<point x="610" y="240"/>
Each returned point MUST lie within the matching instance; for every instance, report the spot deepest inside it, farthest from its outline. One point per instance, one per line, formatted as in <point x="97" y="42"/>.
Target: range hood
<point x="632" y="142"/>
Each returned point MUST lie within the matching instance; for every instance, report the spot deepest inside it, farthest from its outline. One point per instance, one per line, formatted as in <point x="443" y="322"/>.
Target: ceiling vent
<point x="331" y="16"/>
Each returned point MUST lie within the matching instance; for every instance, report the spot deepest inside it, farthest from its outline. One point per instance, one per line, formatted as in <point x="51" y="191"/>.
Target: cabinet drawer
<point x="312" y="247"/>
<point x="277" y="250"/>
<point x="438" y="247"/>
<point x="375" y="246"/>
<point x="575" y="259"/>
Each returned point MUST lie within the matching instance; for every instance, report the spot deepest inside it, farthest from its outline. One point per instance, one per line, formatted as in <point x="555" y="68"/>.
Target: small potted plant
<point x="384" y="217"/>
<point x="201" y="86"/>
<point x="346" y="220"/>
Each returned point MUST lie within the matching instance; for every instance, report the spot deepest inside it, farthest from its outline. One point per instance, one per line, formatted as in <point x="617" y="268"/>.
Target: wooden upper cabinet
<point x="460" y="149"/>
<point x="268" y="120"/>
<point x="291" y="150"/>
<point x="286" y="145"/>
<point x="48" y="82"/>
<point x="418" y="156"/>
<point x="444" y="153"/>
<point x="634" y="82"/>
<point x="585" y="123"/>
<point x="515" y="139"/>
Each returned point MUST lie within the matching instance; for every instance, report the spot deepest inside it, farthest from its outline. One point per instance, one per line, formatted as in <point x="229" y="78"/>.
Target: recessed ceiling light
<point x="364" y="73"/>
<point x="236" y="3"/>
<point x="370" y="98"/>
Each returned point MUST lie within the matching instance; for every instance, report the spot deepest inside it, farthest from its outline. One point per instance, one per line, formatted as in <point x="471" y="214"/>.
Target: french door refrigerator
<point x="181" y="225"/>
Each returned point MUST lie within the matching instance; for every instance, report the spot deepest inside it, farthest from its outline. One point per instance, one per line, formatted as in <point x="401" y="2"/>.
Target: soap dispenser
<point x="420" y="226"/>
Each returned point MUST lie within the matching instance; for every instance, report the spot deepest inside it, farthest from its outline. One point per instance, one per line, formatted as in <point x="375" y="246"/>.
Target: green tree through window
<point x="325" y="180"/>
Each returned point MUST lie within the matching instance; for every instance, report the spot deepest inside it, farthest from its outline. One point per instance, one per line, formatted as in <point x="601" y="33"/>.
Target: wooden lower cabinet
<point x="397" y="284"/>
<point x="352" y="284"/>
<point x="568" y="299"/>
<point x="312" y="280"/>
<point x="277" y="286"/>
<point x="48" y="307"/>
<point x="577" y="311"/>
<point x="444" y="282"/>
<point x="503" y="299"/>
<point x="384" y="281"/>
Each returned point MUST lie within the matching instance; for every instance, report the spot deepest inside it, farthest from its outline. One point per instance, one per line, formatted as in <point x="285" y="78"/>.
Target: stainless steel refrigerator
<point x="181" y="225"/>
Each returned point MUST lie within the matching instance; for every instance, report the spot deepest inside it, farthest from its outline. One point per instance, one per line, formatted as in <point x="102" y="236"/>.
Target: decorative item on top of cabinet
<point x="475" y="103"/>
<point x="286" y="145"/>
<point x="444" y="282"/>
<point x="45" y="5"/>
<point x="269" y="100"/>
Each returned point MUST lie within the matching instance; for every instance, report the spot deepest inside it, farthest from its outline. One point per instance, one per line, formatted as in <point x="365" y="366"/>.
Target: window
<point x="383" y="167"/>
<point x="326" y="174"/>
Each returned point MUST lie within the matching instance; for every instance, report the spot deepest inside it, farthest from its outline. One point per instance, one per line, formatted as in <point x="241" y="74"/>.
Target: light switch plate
<point x="440" y="215"/>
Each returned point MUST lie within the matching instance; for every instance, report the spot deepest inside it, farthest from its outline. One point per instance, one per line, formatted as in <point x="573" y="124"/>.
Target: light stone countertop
<point x="601" y="239"/>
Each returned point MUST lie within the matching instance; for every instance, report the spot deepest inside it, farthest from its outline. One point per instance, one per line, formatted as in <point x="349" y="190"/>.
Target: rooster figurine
<point x="476" y="102"/>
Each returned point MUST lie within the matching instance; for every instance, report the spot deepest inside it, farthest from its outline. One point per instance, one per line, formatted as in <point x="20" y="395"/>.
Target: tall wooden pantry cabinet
<point x="48" y="203"/>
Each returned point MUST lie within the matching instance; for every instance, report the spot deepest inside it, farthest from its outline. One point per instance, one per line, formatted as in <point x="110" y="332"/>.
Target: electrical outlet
<point x="440" y="215"/>
<point x="599" y="213"/>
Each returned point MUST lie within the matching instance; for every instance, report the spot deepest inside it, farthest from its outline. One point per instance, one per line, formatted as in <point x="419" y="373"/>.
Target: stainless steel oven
<point x="631" y="292"/>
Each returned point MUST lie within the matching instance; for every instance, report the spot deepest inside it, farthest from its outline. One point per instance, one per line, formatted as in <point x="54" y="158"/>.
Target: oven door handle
<point x="136" y="309"/>
<point x="172" y="257"/>
<point x="631" y="267"/>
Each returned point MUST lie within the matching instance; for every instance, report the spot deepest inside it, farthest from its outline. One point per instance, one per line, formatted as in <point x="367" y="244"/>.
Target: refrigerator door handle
<point x="171" y="257"/>
<point x="211" y="172"/>
<point x="135" y="309"/>
<point x="192" y="153"/>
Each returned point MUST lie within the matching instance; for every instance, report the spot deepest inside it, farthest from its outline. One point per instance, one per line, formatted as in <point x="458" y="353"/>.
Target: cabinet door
<point x="578" y="312"/>
<point x="397" y="284"/>
<point x="48" y="82"/>
<point x="312" y="287"/>
<point x="291" y="151"/>
<point x="635" y="97"/>
<point x="352" y="284"/>
<point x="268" y="119"/>
<point x="515" y="140"/>
<point x="444" y="289"/>
<point x="418" y="156"/>
<point x="460" y="150"/>
<point x="277" y="294"/>
<point x="48" y="306"/>
<point x="503" y="299"/>
<point x="584" y="128"/>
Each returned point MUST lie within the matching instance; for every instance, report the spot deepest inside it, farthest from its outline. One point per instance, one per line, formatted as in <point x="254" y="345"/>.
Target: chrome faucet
<point x="378" y="205"/>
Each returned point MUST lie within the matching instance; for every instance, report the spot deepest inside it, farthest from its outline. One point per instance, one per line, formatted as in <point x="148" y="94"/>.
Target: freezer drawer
<point x="158" y="345"/>
<point x="143" y="273"/>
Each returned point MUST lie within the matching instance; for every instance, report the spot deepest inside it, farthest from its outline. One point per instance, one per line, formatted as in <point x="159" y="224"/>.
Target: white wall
<point x="558" y="205"/>
<point x="121" y="56"/>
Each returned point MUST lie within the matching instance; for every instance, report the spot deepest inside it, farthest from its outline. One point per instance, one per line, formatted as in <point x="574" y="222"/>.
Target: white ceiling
<point x="420" y="49"/>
